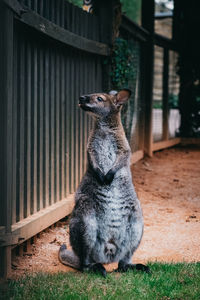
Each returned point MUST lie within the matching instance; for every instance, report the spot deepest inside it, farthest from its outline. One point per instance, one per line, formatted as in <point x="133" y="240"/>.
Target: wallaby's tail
<point x="68" y="257"/>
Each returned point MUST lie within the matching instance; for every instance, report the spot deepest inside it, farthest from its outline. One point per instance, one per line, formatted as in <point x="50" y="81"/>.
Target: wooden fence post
<point x="165" y="94"/>
<point x="6" y="90"/>
<point x="148" y="7"/>
<point x="106" y="11"/>
<point x="142" y="96"/>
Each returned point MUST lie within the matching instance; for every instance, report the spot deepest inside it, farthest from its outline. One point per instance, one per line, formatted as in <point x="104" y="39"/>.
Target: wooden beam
<point x="15" y="6"/>
<point x="163" y="41"/>
<point x="165" y="94"/>
<point x="148" y="8"/>
<point x="62" y="35"/>
<point x="105" y="11"/>
<point x="136" y="156"/>
<point x="27" y="228"/>
<point x="166" y="144"/>
<point x="190" y="141"/>
<point x="5" y="262"/>
<point x="134" y="29"/>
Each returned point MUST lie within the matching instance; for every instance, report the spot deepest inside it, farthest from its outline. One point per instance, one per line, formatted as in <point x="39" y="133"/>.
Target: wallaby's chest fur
<point x="104" y="147"/>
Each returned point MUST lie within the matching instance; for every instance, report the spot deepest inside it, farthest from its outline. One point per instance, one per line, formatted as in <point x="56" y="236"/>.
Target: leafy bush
<point x="122" y="71"/>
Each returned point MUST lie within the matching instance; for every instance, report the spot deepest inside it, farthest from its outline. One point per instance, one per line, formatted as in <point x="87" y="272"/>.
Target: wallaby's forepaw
<point x="109" y="176"/>
<point x="103" y="179"/>
<point x="99" y="175"/>
<point x="96" y="268"/>
<point x="123" y="267"/>
<point x="63" y="247"/>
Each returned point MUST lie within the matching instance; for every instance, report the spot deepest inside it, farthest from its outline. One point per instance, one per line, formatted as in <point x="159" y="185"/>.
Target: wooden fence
<point x="50" y="53"/>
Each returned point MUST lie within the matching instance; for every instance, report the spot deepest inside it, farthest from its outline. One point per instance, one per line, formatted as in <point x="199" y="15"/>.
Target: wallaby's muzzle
<point x="84" y="99"/>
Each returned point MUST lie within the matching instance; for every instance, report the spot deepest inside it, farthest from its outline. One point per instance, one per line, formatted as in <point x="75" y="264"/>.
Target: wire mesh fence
<point x="130" y="112"/>
<point x="158" y="94"/>
<point x="174" y="84"/>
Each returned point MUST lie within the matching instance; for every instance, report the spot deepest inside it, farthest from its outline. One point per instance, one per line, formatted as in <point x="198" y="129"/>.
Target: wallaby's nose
<point x="84" y="99"/>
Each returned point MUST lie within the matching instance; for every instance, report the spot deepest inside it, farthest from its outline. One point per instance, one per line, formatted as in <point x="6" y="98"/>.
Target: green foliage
<point x="157" y="105"/>
<point x="125" y="65"/>
<point x="76" y="2"/>
<point x="173" y="101"/>
<point x="122" y="71"/>
<point x="195" y="117"/>
<point x="166" y="281"/>
<point x="132" y="9"/>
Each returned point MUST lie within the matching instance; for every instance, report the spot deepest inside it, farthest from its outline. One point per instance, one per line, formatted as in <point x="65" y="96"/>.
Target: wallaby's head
<point x="103" y="105"/>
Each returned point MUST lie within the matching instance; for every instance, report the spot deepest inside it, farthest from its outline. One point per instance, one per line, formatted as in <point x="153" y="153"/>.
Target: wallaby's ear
<point x="113" y="93"/>
<point x="123" y="96"/>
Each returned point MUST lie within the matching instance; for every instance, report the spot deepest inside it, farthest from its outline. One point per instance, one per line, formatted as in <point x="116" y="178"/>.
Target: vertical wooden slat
<point x="21" y="129"/>
<point x="78" y="129"/>
<point x="28" y="3"/>
<point x="73" y="28"/>
<point x="25" y="129"/>
<point x="87" y="91"/>
<point x="68" y="15"/>
<point x="52" y="128"/>
<point x="34" y="128"/>
<point x="28" y="132"/>
<point x="40" y="130"/>
<point x="165" y="94"/>
<point x="81" y="22"/>
<point x="46" y="127"/>
<point x="51" y="11"/>
<point x="92" y="82"/>
<point x="57" y="135"/>
<point x="81" y="152"/>
<point x="67" y="123"/>
<point x="46" y="9"/>
<point x="84" y="114"/>
<point x="6" y="92"/>
<point x="148" y="7"/>
<point x="40" y="7"/>
<point x="142" y="80"/>
<point x="34" y="5"/>
<point x="76" y="125"/>
<point x="14" y="127"/>
<point x="71" y="157"/>
<point x="62" y="128"/>
<point x="57" y="11"/>
<point x="62" y="13"/>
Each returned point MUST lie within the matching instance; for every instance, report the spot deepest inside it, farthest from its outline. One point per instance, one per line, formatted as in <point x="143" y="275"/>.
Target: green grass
<point x="167" y="281"/>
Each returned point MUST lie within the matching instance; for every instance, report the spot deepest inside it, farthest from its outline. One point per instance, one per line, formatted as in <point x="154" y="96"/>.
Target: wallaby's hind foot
<point x="68" y="257"/>
<point x="96" y="268"/>
<point x="123" y="267"/>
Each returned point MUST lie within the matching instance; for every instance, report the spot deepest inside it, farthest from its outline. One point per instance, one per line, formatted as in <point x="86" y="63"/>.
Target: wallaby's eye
<point x="99" y="99"/>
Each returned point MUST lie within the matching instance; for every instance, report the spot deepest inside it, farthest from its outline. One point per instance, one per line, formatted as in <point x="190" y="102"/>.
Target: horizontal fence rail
<point x="62" y="13"/>
<point x="60" y="33"/>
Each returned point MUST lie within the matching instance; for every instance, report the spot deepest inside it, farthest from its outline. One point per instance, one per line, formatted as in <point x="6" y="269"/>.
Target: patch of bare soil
<point x="168" y="186"/>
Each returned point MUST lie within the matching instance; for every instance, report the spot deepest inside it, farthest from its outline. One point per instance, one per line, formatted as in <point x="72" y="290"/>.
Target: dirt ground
<point x="168" y="186"/>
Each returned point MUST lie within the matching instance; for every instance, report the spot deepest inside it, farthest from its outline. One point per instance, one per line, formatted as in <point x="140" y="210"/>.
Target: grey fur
<point x="107" y="223"/>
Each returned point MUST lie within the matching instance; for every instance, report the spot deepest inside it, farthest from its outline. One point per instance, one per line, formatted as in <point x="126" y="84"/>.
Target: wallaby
<point x="107" y="222"/>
